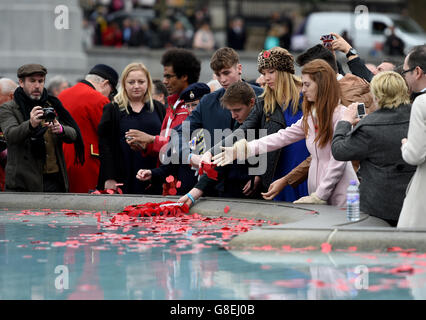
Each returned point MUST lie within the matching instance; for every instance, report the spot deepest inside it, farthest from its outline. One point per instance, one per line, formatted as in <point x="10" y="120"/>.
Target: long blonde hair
<point x="286" y="89"/>
<point x="122" y="99"/>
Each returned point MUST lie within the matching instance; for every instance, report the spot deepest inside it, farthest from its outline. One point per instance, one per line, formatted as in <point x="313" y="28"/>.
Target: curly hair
<point x="183" y="62"/>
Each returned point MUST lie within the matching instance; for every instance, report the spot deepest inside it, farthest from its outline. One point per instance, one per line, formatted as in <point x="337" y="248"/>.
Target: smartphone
<point x="361" y="110"/>
<point x="326" y="40"/>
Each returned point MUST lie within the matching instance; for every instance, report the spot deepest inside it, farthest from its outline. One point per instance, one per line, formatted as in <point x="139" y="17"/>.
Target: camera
<point x="49" y="114"/>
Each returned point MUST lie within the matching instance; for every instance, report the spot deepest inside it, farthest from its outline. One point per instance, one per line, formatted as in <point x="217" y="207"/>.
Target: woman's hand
<point x="144" y="175"/>
<point x="311" y="199"/>
<point x="134" y="136"/>
<point x="248" y="190"/>
<point x="275" y="188"/>
<point x="351" y="114"/>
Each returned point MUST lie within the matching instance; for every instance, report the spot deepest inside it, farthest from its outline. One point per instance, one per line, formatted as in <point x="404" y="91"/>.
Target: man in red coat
<point x="85" y="102"/>
<point x="180" y="69"/>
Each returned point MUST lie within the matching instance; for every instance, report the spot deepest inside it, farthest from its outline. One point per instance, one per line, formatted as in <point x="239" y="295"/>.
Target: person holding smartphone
<point x="375" y="141"/>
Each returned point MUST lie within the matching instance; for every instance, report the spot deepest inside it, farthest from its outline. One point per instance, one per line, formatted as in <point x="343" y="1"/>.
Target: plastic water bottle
<point x="352" y="201"/>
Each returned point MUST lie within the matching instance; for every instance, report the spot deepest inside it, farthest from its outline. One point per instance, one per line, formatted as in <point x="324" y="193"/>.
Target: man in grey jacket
<point x="35" y="124"/>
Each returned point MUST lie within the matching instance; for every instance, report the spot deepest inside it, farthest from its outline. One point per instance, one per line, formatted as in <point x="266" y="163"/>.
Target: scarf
<point x="26" y="104"/>
<point x="414" y="95"/>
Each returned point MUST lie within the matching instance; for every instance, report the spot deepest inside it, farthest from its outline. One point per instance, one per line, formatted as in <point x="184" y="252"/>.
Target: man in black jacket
<point x="355" y="63"/>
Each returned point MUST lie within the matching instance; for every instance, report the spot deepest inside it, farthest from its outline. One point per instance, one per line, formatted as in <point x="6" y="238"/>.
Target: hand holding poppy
<point x="195" y="193"/>
<point x="144" y="175"/>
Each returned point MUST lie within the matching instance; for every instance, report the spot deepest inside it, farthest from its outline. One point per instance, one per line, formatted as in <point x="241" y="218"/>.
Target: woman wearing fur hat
<point x="328" y="178"/>
<point x="277" y="108"/>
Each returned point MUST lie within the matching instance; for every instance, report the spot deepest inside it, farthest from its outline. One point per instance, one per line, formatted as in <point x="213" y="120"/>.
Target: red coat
<point x="85" y="105"/>
<point x="177" y="116"/>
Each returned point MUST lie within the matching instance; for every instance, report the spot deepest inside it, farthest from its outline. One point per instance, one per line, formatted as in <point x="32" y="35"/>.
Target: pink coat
<point x="327" y="177"/>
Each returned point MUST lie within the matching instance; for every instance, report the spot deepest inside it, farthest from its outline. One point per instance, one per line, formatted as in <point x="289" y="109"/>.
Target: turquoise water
<point x="82" y="255"/>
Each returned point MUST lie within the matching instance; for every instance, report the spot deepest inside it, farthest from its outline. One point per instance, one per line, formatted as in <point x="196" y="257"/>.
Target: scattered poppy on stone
<point x="325" y="247"/>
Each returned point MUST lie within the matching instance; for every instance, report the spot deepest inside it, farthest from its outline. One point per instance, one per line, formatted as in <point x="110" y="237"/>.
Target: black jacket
<point x="358" y="68"/>
<point x="111" y="158"/>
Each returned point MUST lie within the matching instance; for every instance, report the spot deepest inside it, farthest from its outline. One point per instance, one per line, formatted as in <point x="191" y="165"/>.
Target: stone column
<point x="48" y="32"/>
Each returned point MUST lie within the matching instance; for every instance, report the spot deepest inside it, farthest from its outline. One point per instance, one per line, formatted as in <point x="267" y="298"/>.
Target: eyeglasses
<point x="409" y="70"/>
<point x="169" y="76"/>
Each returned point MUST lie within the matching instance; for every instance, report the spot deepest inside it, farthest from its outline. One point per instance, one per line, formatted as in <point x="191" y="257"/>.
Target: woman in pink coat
<point x="328" y="178"/>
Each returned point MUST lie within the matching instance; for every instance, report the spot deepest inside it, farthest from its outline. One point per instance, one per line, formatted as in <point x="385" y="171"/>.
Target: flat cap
<point x="194" y="91"/>
<point x="29" y="69"/>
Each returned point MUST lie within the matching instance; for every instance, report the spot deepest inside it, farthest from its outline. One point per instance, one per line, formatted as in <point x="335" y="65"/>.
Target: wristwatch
<point x="351" y="52"/>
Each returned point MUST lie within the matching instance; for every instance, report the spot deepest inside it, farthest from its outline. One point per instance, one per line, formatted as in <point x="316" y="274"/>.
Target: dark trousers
<point x="53" y="182"/>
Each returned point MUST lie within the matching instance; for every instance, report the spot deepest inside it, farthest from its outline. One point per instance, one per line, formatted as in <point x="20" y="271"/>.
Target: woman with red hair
<point x="328" y="178"/>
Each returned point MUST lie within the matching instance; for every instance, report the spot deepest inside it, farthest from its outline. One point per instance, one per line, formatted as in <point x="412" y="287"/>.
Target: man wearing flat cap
<point x="35" y="125"/>
<point x="85" y="102"/>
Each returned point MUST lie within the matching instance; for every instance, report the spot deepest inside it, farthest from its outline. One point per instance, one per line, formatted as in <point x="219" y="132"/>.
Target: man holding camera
<point x="35" y="124"/>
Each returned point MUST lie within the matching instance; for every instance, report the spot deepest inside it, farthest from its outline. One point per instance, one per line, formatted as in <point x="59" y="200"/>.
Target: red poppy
<point x="169" y="188"/>
<point x="149" y="209"/>
<point x="209" y="169"/>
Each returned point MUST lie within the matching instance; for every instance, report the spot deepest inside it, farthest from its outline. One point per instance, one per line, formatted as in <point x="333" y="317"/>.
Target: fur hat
<point x="276" y="58"/>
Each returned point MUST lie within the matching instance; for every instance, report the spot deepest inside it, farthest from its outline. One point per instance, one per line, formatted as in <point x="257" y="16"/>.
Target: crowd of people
<point x="102" y="28"/>
<point x="287" y="137"/>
